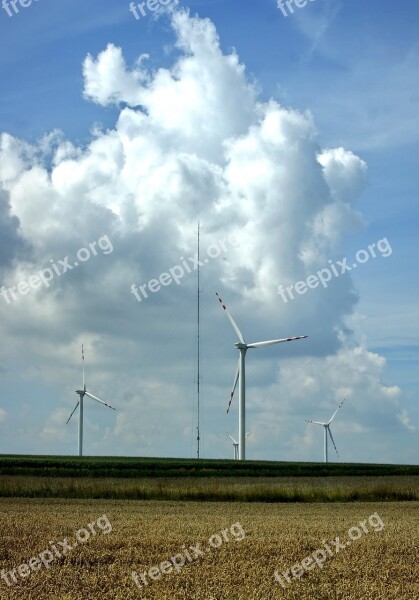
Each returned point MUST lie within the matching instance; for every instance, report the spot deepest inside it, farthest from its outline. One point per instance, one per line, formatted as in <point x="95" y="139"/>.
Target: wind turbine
<point x="240" y="375"/>
<point x="236" y="445"/>
<point x="327" y="431"/>
<point x="82" y="393"/>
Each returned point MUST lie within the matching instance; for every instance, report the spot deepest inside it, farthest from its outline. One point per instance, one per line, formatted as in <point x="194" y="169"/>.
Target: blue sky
<point x="351" y="68"/>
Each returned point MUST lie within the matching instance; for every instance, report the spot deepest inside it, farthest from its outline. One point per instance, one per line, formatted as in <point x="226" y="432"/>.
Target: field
<point x="69" y="466"/>
<point x="214" y="489"/>
<point x="74" y="529"/>
<point x="208" y="480"/>
<point x="381" y="565"/>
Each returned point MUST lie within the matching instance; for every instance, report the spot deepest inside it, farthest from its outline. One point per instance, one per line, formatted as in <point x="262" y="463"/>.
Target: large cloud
<point x="191" y="141"/>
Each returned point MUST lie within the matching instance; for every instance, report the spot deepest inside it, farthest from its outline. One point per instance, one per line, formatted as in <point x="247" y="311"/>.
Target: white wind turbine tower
<point x="241" y="375"/>
<point x="82" y="393"/>
<point x="236" y="445"/>
<point x="327" y="431"/>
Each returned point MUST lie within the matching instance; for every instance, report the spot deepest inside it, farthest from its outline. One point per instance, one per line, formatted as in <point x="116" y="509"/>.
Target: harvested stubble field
<point x="381" y="565"/>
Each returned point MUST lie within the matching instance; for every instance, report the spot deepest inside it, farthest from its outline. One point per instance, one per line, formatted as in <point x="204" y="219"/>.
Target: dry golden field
<point x="380" y="565"/>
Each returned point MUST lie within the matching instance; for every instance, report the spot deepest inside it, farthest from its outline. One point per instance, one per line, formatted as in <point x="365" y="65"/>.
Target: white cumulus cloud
<point x="192" y="140"/>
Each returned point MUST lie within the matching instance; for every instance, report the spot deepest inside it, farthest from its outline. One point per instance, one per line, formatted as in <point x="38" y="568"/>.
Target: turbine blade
<point x="74" y="410"/>
<point x="232" y="321"/>
<point x="271" y="342"/>
<point x="335" y="413"/>
<point x="236" y="378"/>
<point x="316" y="422"/>
<point x="232" y="438"/>
<point x="333" y="441"/>
<point x="82" y="358"/>
<point x="99" y="400"/>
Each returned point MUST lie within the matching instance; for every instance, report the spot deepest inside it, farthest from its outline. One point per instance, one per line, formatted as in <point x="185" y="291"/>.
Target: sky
<point x="291" y="135"/>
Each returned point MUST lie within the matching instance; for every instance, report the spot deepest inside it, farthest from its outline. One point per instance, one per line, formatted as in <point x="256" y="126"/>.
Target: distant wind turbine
<point x="327" y="431"/>
<point x="82" y="393"/>
<point x="236" y="445"/>
<point x="240" y="374"/>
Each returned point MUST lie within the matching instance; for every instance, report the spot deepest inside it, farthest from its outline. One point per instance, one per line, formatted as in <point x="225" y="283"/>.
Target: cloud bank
<point x="192" y="141"/>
